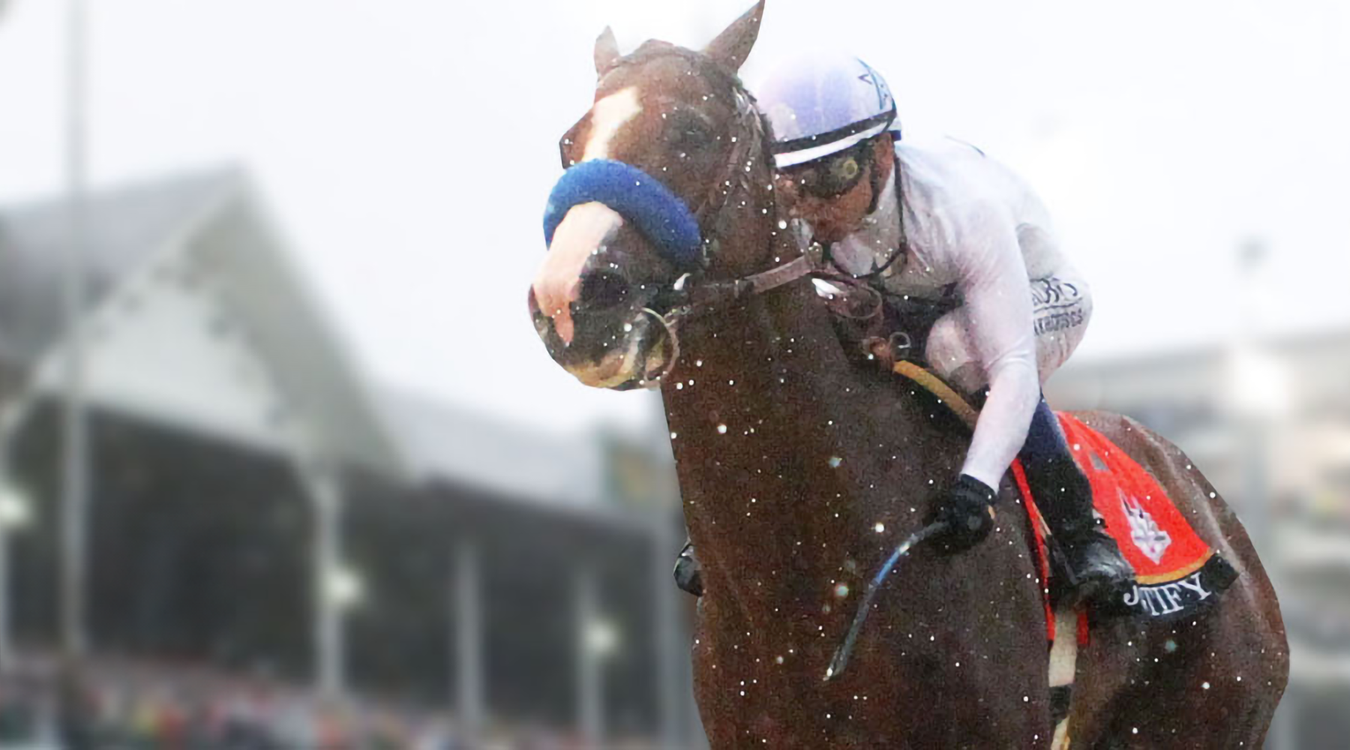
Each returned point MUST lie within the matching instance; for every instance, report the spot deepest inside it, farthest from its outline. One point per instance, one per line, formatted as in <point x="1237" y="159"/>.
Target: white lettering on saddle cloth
<point x="1144" y="531"/>
<point x="1169" y="598"/>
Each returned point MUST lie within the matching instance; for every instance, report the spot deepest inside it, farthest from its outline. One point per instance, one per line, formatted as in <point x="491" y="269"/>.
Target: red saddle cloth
<point x="1176" y="571"/>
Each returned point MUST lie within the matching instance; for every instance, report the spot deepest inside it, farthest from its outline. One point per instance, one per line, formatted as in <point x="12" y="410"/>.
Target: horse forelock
<point x="727" y="82"/>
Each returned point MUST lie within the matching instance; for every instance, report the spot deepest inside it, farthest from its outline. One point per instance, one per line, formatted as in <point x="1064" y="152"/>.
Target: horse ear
<point x="606" y="50"/>
<point x="732" y="46"/>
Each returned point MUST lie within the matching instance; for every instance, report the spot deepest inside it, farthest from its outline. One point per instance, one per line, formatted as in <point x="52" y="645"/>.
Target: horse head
<point x="666" y="184"/>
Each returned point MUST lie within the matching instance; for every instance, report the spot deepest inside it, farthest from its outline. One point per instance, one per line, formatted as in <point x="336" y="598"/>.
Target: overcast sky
<point x="407" y="146"/>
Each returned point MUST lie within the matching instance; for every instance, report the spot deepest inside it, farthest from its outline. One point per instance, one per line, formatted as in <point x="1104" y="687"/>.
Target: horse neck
<point x="769" y="426"/>
<point x="780" y="346"/>
<point x="773" y="428"/>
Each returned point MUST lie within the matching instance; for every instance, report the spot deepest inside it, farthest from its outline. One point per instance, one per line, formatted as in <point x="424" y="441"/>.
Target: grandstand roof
<point x="207" y="238"/>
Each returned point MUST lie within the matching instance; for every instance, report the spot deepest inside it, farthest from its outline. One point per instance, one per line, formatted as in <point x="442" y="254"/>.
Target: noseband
<point x="689" y="239"/>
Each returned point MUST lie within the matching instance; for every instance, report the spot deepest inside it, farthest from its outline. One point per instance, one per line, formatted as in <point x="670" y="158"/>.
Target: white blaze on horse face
<point x="608" y="116"/>
<point x="585" y="227"/>
<point x="576" y="239"/>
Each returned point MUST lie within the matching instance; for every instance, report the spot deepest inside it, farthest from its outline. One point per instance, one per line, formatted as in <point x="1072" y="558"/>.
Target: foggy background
<point x="328" y="457"/>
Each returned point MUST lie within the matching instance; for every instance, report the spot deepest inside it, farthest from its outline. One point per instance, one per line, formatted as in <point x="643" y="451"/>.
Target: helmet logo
<point x="871" y="78"/>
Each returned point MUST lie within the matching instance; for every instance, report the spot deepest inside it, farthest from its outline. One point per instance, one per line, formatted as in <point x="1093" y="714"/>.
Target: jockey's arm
<point x="997" y="300"/>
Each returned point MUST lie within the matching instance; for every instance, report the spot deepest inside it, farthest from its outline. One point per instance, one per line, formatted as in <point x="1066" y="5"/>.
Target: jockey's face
<point x="834" y="194"/>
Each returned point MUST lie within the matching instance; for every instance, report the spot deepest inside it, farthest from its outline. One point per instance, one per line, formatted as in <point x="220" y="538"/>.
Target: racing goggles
<point x="834" y="175"/>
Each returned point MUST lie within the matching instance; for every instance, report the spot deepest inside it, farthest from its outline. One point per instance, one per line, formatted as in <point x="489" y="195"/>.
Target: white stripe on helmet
<point x="793" y="158"/>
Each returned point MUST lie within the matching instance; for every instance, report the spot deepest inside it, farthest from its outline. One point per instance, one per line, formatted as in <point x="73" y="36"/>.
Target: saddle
<point x="1177" y="573"/>
<point x="877" y="328"/>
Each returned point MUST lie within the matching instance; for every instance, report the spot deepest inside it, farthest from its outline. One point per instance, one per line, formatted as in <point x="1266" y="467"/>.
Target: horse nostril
<point x="602" y="290"/>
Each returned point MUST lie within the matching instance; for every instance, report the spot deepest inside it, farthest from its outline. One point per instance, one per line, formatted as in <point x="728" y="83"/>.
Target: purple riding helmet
<point x="823" y="103"/>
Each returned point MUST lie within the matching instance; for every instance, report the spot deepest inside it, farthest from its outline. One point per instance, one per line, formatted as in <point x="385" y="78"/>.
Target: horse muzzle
<point x="606" y="351"/>
<point x="604" y="221"/>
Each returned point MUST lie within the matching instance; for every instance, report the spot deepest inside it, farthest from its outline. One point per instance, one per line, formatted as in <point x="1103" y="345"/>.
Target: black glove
<point x="967" y="509"/>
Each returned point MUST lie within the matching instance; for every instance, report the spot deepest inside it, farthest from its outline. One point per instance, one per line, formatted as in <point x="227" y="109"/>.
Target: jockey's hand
<point x="967" y="507"/>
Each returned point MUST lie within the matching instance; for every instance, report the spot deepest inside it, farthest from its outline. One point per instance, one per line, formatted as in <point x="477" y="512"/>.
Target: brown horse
<point x="799" y="471"/>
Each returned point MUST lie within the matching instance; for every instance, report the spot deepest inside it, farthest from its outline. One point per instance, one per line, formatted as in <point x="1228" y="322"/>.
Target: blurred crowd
<point x="132" y="705"/>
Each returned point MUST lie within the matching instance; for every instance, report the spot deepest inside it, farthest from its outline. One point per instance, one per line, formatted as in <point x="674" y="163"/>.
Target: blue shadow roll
<point x="637" y="196"/>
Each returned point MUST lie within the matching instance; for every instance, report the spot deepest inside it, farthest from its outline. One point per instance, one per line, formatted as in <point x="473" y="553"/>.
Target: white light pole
<point x="598" y="639"/>
<point x="1259" y="397"/>
<point x="336" y="588"/>
<point x="665" y="608"/>
<point x="16" y="513"/>
<point x="467" y="614"/>
<point x="74" y="475"/>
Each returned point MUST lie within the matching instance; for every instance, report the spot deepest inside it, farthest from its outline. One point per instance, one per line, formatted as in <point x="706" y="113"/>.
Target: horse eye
<point x="691" y="136"/>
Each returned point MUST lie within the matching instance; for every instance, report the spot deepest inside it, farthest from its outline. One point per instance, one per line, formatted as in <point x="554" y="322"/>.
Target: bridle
<point x="691" y="295"/>
<point x="691" y="239"/>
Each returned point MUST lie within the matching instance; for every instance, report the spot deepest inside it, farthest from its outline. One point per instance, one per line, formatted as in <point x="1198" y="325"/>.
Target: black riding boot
<point x="688" y="573"/>
<point x="1093" y="563"/>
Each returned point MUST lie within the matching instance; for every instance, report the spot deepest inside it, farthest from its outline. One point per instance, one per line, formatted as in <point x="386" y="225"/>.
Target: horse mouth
<point x="638" y="358"/>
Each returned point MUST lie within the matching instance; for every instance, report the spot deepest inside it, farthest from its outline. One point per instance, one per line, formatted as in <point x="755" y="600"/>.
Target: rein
<point x="716" y="295"/>
<point x="698" y="299"/>
<point x="684" y="237"/>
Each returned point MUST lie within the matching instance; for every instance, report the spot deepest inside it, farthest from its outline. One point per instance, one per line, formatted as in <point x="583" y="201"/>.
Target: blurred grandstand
<point x="277" y="545"/>
<point x="283" y="553"/>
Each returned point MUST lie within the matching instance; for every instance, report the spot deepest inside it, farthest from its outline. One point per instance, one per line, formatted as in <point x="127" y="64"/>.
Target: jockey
<point x="943" y="222"/>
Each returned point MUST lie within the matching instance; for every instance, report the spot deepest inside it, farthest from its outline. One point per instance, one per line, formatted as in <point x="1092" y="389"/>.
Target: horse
<point x="798" y="469"/>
